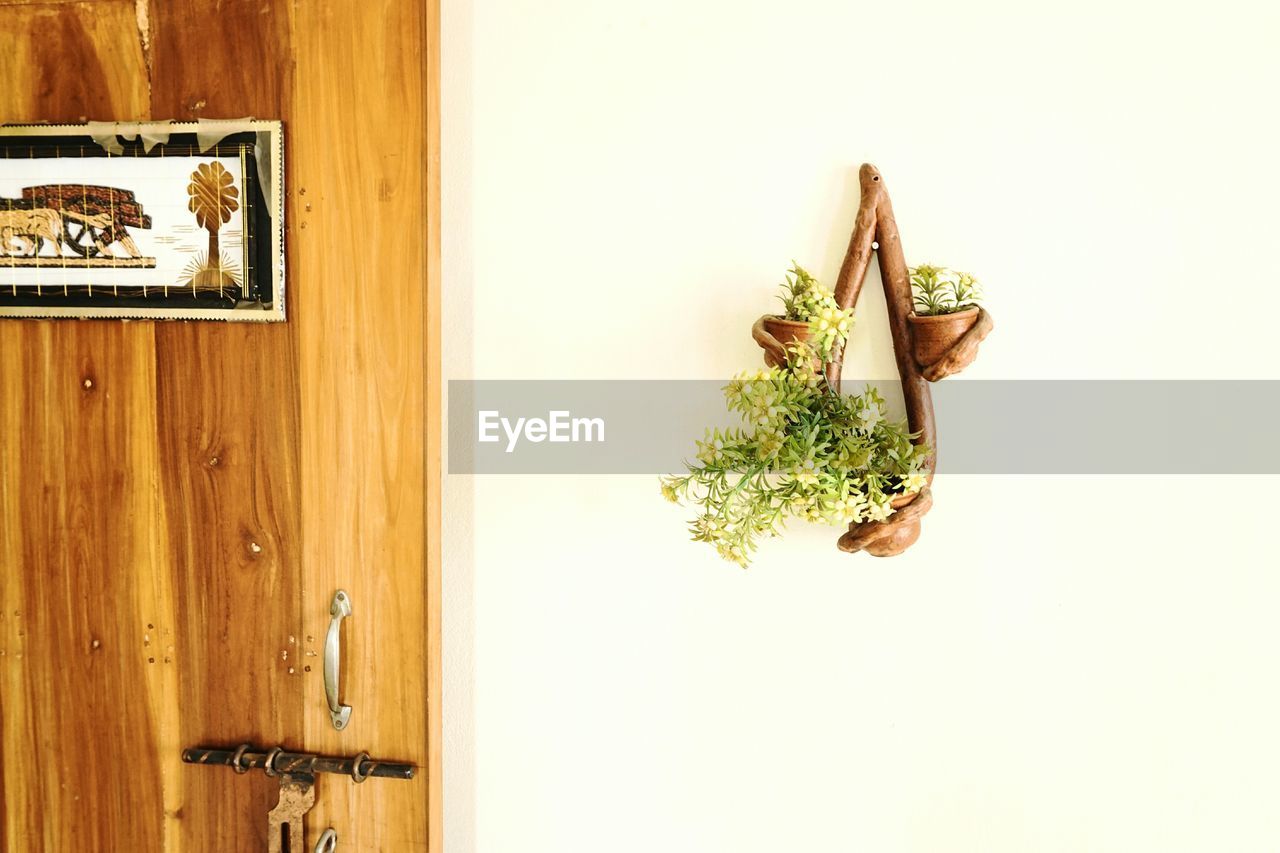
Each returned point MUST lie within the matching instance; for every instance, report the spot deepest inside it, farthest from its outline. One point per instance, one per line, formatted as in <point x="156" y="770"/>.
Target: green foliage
<point x="802" y="294"/>
<point x="804" y="451"/>
<point x="938" y="290"/>
<point x="805" y="300"/>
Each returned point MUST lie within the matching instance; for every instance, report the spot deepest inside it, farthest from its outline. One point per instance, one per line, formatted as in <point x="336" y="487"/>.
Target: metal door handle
<point x="328" y="841"/>
<point x="338" y="610"/>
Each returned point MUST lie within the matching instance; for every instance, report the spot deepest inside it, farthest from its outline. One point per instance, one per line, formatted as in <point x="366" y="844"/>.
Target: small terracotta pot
<point x="786" y="331"/>
<point x="933" y="337"/>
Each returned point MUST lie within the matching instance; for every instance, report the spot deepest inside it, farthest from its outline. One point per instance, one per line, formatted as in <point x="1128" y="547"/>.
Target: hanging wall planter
<point x="933" y="335"/>
<point x="785" y="332"/>
<point x="808" y="451"/>
<point x="947" y="323"/>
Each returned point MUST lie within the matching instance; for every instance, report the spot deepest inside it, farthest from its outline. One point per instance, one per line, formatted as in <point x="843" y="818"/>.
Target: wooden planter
<point x="876" y="230"/>
<point x="784" y="332"/>
<point x="933" y="336"/>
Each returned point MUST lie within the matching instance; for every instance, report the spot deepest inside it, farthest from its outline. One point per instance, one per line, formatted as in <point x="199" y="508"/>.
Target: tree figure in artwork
<point x="213" y="200"/>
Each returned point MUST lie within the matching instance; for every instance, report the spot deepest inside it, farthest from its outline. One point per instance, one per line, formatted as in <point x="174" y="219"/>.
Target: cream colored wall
<point x="1061" y="664"/>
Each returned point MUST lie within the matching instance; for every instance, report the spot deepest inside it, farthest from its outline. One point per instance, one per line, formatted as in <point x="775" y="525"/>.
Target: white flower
<point x="732" y="553"/>
<point x="709" y="525"/>
<point x="710" y="451"/>
<point x="769" y="441"/>
<point x="914" y="482"/>
<point x="851" y="509"/>
<point x="880" y="511"/>
<point x="806" y="475"/>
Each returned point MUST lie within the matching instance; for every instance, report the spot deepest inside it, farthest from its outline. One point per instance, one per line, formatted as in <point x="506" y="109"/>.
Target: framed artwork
<point x="160" y="220"/>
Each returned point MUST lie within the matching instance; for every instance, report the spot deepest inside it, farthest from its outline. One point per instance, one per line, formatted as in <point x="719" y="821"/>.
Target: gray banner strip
<point x="984" y="427"/>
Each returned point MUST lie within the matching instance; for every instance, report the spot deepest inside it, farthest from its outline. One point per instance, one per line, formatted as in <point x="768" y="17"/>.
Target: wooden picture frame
<point x="152" y="220"/>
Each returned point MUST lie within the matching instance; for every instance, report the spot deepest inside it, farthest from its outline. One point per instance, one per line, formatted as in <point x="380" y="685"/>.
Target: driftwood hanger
<point x="875" y="230"/>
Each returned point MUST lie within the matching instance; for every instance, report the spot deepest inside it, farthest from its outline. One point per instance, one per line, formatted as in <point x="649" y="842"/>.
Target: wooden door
<point x="181" y="500"/>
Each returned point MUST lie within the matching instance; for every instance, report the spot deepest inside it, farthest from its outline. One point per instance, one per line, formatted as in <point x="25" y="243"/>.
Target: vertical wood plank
<point x="230" y="59"/>
<point x="434" y="426"/>
<point x="360" y="172"/>
<point x="229" y="430"/>
<point x="172" y="564"/>
<point x="72" y="62"/>
<point x="80" y="698"/>
<point x="78" y="654"/>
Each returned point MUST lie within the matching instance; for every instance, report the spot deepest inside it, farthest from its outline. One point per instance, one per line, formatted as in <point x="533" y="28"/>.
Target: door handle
<point x="328" y="841"/>
<point x="338" y="610"/>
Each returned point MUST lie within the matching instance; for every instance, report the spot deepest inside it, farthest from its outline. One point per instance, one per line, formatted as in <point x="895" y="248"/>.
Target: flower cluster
<point x="803" y="451"/>
<point x="938" y="290"/>
<point x="805" y="300"/>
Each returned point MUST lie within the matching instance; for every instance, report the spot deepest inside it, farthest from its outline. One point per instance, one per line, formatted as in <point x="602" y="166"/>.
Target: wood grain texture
<point x="361" y="312"/>
<point x="76" y="710"/>
<point x="66" y="62"/>
<point x="192" y="510"/>
<point x="229" y="430"/>
<point x="434" y="439"/>
<point x="231" y="59"/>
<point x="81" y="687"/>
<point x="51" y="2"/>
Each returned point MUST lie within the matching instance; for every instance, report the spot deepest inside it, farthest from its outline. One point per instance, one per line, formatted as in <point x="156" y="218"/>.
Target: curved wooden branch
<point x="897" y="295"/>
<point x="857" y="257"/>
<point x="892" y="537"/>
<point x="963" y="352"/>
<point x="875" y="225"/>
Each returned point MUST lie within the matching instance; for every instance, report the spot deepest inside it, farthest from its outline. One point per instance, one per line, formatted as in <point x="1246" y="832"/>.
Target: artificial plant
<point x="804" y="450"/>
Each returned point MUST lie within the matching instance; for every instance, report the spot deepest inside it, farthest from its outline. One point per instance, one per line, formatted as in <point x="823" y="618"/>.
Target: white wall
<point x="1060" y="664"/>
